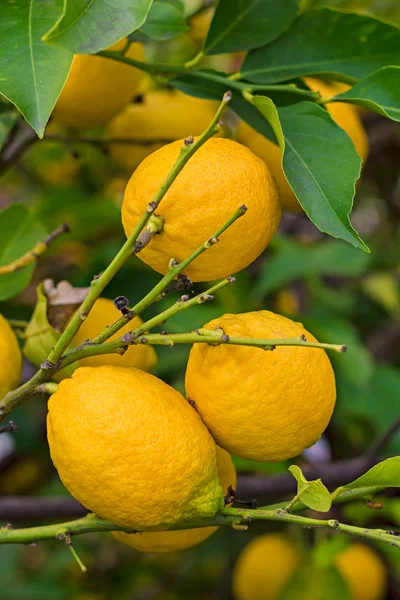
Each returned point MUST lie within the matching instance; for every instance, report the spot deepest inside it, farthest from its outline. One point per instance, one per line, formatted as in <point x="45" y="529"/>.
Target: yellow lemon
<point x="98" y="88"/>
<point x="345" y="115"/>
<point x="200" y="24"/>
<point x="171" y="541"/>
<point x="10" y="358"/>
<point x="264" y="567"/>
<point x="162" y="116"/>
<point x="258" y="404"/>
<point x="132" y="449"/>
<point x="217" y="180"/>
<point x="364" y="572"/>
<point x="104" y="313"/>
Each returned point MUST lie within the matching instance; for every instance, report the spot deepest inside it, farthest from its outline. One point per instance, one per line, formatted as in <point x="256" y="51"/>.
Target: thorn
<point x="121" y="302"/>
<point x="189" y="140"/>
<point x="151" y="206"/>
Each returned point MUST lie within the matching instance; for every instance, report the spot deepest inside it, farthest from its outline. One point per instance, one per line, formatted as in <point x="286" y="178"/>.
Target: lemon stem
<point x="227" y="516"/>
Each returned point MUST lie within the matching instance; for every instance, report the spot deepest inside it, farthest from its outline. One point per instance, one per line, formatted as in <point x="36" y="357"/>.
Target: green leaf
<point x="385" y="474"/>
<point x="19" y="232"/>
<point x="7" y="122"/>
<point x="312" y="493"/>
<point x="314" y="151"/>
<point x="292" y="261"/>
<point x="88" y="26"/>
<point x="240" y="25"/>
<point x="337" y="45"/>
<point x="166" y="20"/>
<point x="379" y="92"/>
<point x="313" y="582"/>
<point x="32" y="73"/>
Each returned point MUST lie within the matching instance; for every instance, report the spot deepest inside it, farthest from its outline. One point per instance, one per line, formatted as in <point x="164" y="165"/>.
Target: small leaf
<point x="7" y="122"/>
<point x="312" y="493"/>
<point x="32" y="73"/>
<point x="240" y="25"/>
<point x="88" y="26"/>
<point x="19" y="232"/>
<point x="166" y="20"/>
<point x="41" y="337"/>
<point x="385" y="474"/>
<point x="379" y="92"/>
<point x="315" y="151"/>
<point x="342" y="46"/>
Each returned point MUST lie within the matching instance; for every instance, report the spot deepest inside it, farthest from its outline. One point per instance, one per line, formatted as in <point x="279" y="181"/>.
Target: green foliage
<point x="336" y="45"/>
<point x="312" y="493"/>
<point x="7" y="121"/>
<point x="307" y="136"/>
<point x="384" y="474"/>
<point x="240" y="25"/>
<point x="87" y="26"/>
<point x="32" y="73"/>
<point x="379" y="92"/>
<point x="166" y="20"/>
<point x="20" y="230"/>
<point x="312" y="581"/>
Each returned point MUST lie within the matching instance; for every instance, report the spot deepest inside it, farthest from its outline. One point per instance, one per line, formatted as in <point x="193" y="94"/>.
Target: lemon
<point x="98" y="88"/>
<point x="220" y="177"/>
<point x="200" y="24"/>
<point x="364" y="572"/>
<point x="260" y="404"/>
<point x="131" y="449"/>
<point x="171" y="541"/>
<point x="264" y="567"/>
<point x="162" y="116"/>
<point x="104" y="313"/>
<point x="10" y="358"/>
<point x="345" y="115"/>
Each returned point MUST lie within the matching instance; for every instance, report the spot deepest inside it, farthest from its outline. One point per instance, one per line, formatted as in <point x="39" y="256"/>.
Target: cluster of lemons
<point x="125" y="444"/>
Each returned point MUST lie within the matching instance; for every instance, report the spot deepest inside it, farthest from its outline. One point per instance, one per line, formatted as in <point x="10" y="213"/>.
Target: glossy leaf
<point x="338" y="45"/>
<point x="385" y="474"/>
<point x="19" y="232"/>
<point x="292" y="261"/>
<point x="379" y="92"/>
<point x="240" y="25"/>
<point x="88" y="26"/>
<point x="165" y="20"/>
<point x="32" y="73"/>
<point x="320" y="164"/>
<point x="312" y="493"/>
<point x="7" y="122"/>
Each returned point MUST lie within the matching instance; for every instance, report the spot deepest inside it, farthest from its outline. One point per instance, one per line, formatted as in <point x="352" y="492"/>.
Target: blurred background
<point x="339" y="293"/>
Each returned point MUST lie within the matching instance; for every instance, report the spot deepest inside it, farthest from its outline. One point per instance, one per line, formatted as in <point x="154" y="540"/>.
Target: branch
<point x="52" y="364"/>
<point x="381" y="441"/>
<point x="35" y="253"/>
<point x="228" y="516"/>
<point x="24" y="138"/>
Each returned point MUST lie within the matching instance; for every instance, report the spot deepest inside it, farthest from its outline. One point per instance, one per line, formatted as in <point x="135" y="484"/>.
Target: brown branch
<point x="22" y="140"/>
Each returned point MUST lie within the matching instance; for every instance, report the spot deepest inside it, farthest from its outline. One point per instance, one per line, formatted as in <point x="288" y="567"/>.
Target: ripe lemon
<point x="171" y="541"/>
<point x="364" y="572"/>
<point x="98" y="88"/>
<point x="259" y="404"/>
<point x="163" y="116"/>
<point x="264" y="567"/>
<point x="345" y="115"/>
<point x="10" y="358"/>
<point x="219" y="178"/>
<point x="132" y="449"/>
<point x="104" y="313"/>
<point x="200" y="24"/>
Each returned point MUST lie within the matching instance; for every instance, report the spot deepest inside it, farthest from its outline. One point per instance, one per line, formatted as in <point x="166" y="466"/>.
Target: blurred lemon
<point x="364" y="572"/>
<point x="98" y="88"/>
<point x="10" y="358"/>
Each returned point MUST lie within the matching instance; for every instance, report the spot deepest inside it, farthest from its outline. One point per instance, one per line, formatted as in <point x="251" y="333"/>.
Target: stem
<point x="190" y="64"/>
<point x="173" y="272"/>
<point x="47" y="388"/>
<point x="33" y="255"/>
<point x="227" y="516"/>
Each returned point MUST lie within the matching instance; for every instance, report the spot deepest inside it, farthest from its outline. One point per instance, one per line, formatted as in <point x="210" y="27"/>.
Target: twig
<point x="227" y="516"/>
<point x="35" y="253"/>
<point x="24" y="137"/>
<point x="381" y="441"/>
